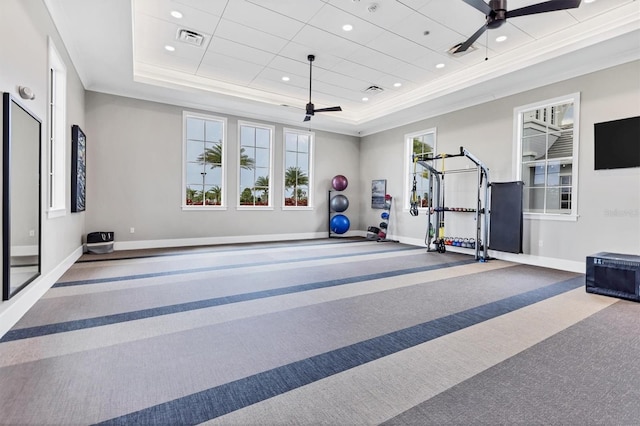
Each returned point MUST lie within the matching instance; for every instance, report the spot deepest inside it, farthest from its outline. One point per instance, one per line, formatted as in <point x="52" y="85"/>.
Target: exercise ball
<point x="339" y="203"/>
<point x="339" y="224"/>
<point x="385" y="215"/>
<point x="339" y="183"/>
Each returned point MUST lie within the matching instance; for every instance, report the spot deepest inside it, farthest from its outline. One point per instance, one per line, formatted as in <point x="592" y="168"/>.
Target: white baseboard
<point x="526" y="259"/>
<point x="13" y="309"/>
<point x="187" y="242"/>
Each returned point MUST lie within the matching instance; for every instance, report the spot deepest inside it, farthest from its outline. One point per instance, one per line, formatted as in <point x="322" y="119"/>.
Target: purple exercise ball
<point x="339" y="182"/>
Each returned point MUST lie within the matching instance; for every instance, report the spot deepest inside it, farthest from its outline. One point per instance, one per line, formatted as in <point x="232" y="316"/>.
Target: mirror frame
<point x="8" y="102"/>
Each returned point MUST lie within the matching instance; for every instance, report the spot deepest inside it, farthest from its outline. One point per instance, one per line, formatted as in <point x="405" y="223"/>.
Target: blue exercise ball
<point x="339" y="203"/>
<point x="384" y="215"/>
<point x="339" y="224"/>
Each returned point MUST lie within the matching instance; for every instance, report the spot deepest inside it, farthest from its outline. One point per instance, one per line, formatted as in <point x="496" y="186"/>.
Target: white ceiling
<point x="118" y="47"/>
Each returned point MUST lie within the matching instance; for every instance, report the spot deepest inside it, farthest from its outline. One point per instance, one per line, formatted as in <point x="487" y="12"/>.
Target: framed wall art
<point x="378" y="191"/>
<point x="78" y="169"/>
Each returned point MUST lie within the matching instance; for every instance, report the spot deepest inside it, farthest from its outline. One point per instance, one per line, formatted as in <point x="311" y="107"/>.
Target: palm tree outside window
<point x="297" y="168"/>
<point x="255" y="164"/>
<point x="204" y="151"/>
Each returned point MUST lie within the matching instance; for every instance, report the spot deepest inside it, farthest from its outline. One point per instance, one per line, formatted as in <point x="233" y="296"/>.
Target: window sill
<point x="549" y="216"/>
<point x="202" y="208"/>
<point x="297" y="207"/>
<point x="56" y="213"/>
<point x="253" y="208"/>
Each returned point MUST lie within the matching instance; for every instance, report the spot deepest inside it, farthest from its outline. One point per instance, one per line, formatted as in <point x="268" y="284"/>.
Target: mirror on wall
<point x="21" y="134"/>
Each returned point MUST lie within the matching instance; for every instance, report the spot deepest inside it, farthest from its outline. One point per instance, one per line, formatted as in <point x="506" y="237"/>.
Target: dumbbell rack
<point x="384" y="225"/>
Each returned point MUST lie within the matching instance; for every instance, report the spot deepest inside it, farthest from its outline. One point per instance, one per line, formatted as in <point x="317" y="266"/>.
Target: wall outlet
<point x="32" y="233"/>
<point x="132" y="230"/>
<point x="540" y="243"/>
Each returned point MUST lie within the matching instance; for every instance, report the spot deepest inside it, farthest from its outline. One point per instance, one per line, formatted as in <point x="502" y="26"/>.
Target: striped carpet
<point x="333" y="331"/>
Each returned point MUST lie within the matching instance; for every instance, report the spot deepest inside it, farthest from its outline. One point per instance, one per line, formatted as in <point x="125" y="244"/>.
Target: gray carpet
<point x="336" y="331"/>
<point x="588" y="374"/>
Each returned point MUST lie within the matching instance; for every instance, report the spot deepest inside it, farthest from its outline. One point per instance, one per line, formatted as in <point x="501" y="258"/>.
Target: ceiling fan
<point x="497" y="14"/>
<point x="311" y="110"/>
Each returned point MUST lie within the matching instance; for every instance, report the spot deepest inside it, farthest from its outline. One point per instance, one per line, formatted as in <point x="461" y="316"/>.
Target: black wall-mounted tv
<point x="617" y="143"/>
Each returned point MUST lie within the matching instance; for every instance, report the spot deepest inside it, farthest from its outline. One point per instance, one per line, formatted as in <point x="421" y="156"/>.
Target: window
<point x="547" y="143"/>
<point x="57" y="134"/>
<point x="419" y="143"/>
<point x="297" y="168"/>
<point x="204" y="154"/>
<point x="255" y="164"/>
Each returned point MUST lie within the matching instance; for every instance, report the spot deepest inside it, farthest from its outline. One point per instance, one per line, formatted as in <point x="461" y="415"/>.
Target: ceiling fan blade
<point x="480" y="5"/>
<point x="547" y="6"/>
<point x="335" y="108"/>
<point x="464" y="46"/>
<point x="307" y="118"/>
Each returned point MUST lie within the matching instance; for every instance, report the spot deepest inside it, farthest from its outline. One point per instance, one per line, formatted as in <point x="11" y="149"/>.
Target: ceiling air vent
<point x="372" y="90"/>
<point x="190" y="37"/>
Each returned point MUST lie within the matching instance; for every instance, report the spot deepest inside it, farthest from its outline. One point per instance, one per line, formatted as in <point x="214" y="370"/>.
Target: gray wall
<point x="24" y="28"/>
<point x="134" y="178"/>
<point x="608" y="200"/>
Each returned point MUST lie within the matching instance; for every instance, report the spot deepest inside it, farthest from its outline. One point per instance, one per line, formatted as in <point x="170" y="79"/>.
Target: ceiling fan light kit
<point x="497" y="13"/>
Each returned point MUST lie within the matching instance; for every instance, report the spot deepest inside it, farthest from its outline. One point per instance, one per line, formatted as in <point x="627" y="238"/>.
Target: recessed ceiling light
<point x="285" y="78"/>
<point x="169" y="48"/>
<point x="397" y="84"/>
<point x="440" y="65"/>
<point x="501" y="39"/>
<point x="589" y="1"/>
<point x="176" y="14"/>
<point x="347" y="27"/>
<point x="365" y="99"/>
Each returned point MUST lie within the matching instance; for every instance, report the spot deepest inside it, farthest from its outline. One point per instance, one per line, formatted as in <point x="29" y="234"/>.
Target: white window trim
<point x="56" y="143"/>
<point x="517" y="152"/>
<point x="223" y="206"/>
<point x="408" y="163"/>
<point x="312" y="138"/>
<point x="271" y="130"/>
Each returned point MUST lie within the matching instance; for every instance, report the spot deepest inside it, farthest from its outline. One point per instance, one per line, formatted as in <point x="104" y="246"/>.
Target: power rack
<point x="438" y="208"/>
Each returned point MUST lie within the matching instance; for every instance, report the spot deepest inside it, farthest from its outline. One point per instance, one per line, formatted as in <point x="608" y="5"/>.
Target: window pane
<point x="246" y="178"/>
<point x="263" y="138"/>
<point x="262" y="157"/>
<point x="303" y="143"/>
<point x="247" y="136"/>
<point x="290" y="159"/>
<point x="553" y="201"/>
<point x="561" y="144"/>
<point x="213" y="131"/>
<point x="213" y="154"/>
<point x="291" y="142"/>
<point x="553" y="173"/>
<point x="534" y="200"/>
<point x="195" y="129"/>
<point x="246" y="196"/>
<point x="193" y="195"/>
<point x="194" y="174"/>
<point x="534" y="147"/>
<point x="303" y="162"/>
<point x="248" y="155"/>
<point x="194" y="150"/>
<point x="213" y="195"/>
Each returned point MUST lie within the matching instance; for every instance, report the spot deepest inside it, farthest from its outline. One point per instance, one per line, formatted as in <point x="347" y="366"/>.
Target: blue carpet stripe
<point x="220" y="400"/>
<point x="222" y="249"/>
<point x="217" y="268"/>
<point x="61" y="327"/>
